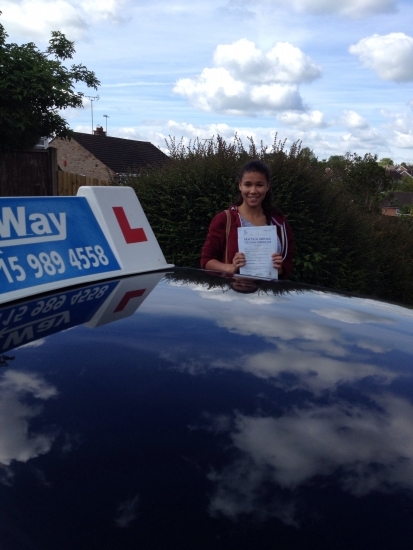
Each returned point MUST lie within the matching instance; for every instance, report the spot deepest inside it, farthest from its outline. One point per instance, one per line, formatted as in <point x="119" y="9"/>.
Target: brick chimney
<point x="99" y="131"/>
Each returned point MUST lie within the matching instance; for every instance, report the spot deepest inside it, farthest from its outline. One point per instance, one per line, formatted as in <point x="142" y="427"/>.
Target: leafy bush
<point x="341" y="241"/>
<point x="405" y="184"/>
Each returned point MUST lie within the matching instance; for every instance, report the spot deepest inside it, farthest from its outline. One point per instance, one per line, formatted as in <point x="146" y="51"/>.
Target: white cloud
<point x="216" y="90"/>
<point x="267" y="326"/>
<point x="226" y="296"/>
<point x="247" y="80"/>
<point x="375" y="348"/>
<point x="331" y="349"/>
<point x="17" y="442"/>
<point x="285" y="452"/>
<point x="404" y="140"/>
<point x="401" y="121"/>
<point x="353" y="120"/>
<point x="314" y="354"/>
<point x="274" y="97"/>
<point x="159" y="131"/>
<point x="303" y="121"/>
<point x="311" y="369"/>
<point x="128" y="133"/>
<point x="6" y="475"/>
<point x="103" y="10"/>
<point x="322" y="350"/>
<point x="206" y="131"/>
<point x="400" y="126"/>
<point x="360" y="135"/>
<point x="363" y="139"/>
<point x="282" y="63"/>
<point x="318" y="440"/>
<point x="127" y="511"/>
<point x="37" y="18"/>
<point x="22" y="382"/>
<point x="189" y="132"/>
<point x="390" y="55"/>
<point x="352" y="316"/>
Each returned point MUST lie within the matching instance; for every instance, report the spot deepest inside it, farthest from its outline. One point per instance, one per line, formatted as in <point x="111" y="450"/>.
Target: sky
<point x="336" y="75"/>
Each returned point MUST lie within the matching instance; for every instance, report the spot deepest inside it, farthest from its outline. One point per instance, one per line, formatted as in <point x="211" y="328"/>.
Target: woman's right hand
<point x="238" y="261"/>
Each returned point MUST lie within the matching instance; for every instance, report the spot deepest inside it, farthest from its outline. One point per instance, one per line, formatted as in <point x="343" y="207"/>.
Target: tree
<point x="334" y="159"/>
<point x="406" y="183"/>
<point x="386" y="161"/>
<point x="362" y="178"/>
<point x="407" y="210"/>
<point x="308" y="154"/>
<point x="34" y="87"/>
<point x="367" y="181"/>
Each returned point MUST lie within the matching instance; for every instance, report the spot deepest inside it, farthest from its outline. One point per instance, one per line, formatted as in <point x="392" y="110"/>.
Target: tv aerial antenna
<point x="92" y="99"/>
<point x="106" y="116"/>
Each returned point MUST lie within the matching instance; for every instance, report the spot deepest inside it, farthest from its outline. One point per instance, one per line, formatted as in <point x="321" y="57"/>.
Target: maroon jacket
<point x="214" y="247"/>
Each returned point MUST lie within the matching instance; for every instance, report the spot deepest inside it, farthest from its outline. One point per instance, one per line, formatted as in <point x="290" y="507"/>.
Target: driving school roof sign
<point x="48" y="243"/>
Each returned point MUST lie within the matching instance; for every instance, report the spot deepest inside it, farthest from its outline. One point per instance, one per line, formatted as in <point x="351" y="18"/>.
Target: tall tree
<point x="386" y="161"/>
<point x="34" y="87"/>
<point x="366" y="180"/>
<point x="362" y="178"/>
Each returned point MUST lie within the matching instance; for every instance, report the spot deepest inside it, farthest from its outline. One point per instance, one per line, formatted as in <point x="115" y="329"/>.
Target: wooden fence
<point x="68" y="183"/>
<point x="28" y="173"/>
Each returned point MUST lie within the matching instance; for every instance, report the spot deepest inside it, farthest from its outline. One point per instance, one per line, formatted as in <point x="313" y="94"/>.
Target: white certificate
<point x="258" y="243"/>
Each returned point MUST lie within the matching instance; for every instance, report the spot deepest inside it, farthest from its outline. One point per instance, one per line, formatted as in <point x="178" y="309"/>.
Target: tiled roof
<point x="398" y="198"/>
<point x="121" y="155"/>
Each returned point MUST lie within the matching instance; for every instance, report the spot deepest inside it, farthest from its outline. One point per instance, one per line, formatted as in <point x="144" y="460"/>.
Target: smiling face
<point x="253" y="187"/>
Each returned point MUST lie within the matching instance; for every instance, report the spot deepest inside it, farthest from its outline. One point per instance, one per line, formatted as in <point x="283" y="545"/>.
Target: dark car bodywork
<point x="208" y="419"/>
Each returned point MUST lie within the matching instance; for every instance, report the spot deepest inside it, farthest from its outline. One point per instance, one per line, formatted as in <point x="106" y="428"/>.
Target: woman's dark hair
<point x="255" y="166"/>
<point x="264" y="169"/>
<point x="244" y="286"/>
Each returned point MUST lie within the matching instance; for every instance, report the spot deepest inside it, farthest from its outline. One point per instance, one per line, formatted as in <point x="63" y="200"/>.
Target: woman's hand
<point x="277" y="262"/>
<point x="238" y="261"/>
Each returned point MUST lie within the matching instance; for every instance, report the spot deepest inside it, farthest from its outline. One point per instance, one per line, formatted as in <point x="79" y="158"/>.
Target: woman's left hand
<point x="277" y="262"/>
<point x="238" y="261"/>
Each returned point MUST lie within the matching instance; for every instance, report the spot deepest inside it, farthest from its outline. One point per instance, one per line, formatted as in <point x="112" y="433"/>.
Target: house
<point x="391" y="206"/>
<point x="397" y="172"/>
<point x="103" y="157"/>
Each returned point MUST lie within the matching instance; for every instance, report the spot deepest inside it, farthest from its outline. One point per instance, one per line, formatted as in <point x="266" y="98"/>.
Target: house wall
<point x="391" y="211"/>
<point x="72" y="157"/>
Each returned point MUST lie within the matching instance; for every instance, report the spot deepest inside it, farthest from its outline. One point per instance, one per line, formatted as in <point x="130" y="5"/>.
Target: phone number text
<point x="49" y="263"/>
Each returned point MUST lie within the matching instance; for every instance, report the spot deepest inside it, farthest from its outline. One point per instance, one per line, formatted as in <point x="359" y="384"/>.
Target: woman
<point x="253" y="208"/>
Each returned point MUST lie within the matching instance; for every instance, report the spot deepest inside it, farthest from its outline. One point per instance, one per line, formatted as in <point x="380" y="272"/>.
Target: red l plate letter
<point x="131" y="235"/>
<point x="128" y="296"/>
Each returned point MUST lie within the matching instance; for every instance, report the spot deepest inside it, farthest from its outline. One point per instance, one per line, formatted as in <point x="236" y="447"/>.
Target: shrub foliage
<point x="341" y="239"/>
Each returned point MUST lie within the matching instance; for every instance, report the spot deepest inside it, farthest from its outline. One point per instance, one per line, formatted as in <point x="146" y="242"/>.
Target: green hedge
<point x="338" y="243"/>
